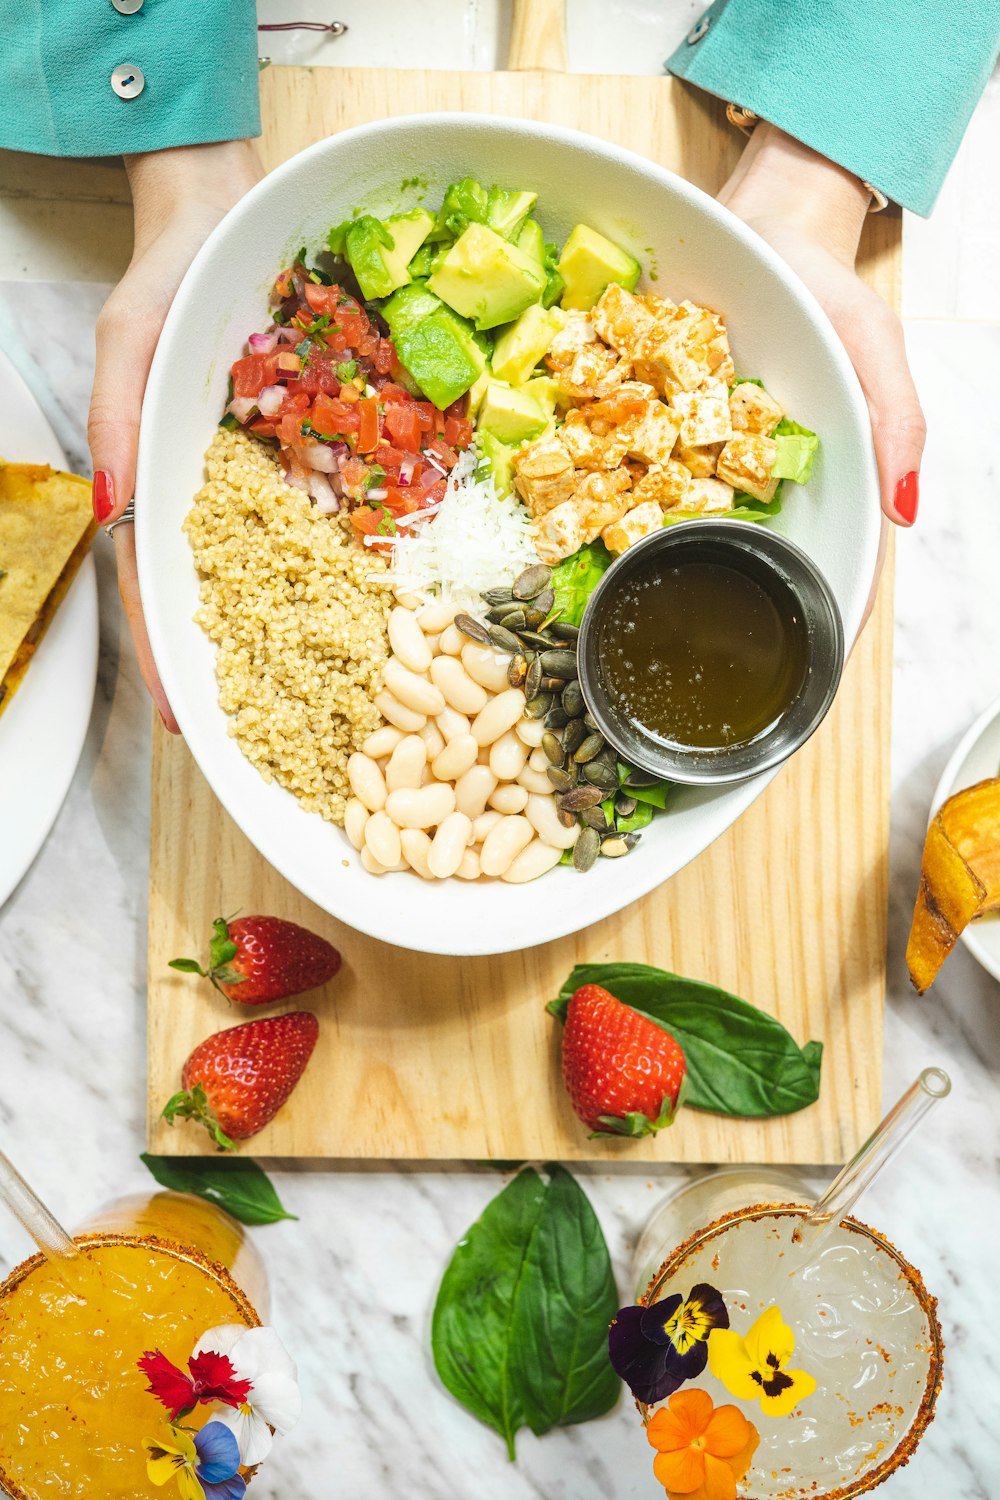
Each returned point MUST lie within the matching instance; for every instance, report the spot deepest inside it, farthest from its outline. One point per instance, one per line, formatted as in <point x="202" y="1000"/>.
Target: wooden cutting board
<point x="429" y="1058"/>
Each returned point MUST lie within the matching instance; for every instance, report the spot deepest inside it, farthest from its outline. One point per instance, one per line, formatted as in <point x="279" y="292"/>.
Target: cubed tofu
<point x="575" y="334"/>
<point x="662" y="309"/>
<point x="753" y="409"/>
<point x="679" y="356"/>
<point x="708" y="496"/>
<point x="544" y="475"/>
<point x="726" y="371"/>
<point x="620" y="319"/>
<point x="603" y="499"/>
<point x="699" y="462"/>
<point x="653" y="435"/>
<point x="596" y="371"/>
<point x="666" y="484"/>
<point x="593" y="445"/>
<point x="703" y="418"/>
<point x="560" y="532"/>
<point x="746" y="462"/>
<point x="641" y="521"/>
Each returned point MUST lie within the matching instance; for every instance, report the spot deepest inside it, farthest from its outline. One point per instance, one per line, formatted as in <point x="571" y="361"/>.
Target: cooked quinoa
<point x="298" y="612"/>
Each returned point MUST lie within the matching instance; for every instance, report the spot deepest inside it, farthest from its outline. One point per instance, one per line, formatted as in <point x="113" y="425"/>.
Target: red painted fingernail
<point x="907" y="497"/>
<point x="104" y="496"/>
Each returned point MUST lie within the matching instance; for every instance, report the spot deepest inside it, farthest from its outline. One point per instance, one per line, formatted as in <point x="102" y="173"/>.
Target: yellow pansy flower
<point x="754" y="1367"/>
<point x="174" y="1457"/>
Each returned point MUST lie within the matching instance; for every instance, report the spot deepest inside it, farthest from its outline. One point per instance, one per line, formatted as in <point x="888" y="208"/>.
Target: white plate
<point x="976" y="758"/>
<point x="699" y="250"/>
<point x="43" y="730"/>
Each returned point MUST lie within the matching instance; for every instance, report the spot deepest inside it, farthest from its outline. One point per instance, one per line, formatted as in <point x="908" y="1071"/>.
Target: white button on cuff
<point x="128" y="81"/>
<point x="127" y="7"/>
<point x="698" y="30"/>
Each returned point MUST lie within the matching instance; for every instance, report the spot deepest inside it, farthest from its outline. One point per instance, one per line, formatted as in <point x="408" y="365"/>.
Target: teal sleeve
<point x="884" y="89"/>
<point x="198" y="60"/>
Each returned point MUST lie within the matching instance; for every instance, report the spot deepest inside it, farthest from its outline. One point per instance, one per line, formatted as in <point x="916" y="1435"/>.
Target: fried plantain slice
<point x="959" y="877"/>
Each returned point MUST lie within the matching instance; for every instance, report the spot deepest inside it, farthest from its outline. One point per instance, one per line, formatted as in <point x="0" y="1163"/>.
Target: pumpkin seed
<point x="561" y="780"/>
<point x="566" y="632"/>
<point x="552" y="746"/>
<point x="513" y="621"/>
<point x="591" y="722"/>
<point x="504" y="640"/>
<point x="533" y="638"/>
<point x="625" y="806"/>
<point x="580" y="798"/>
<point x="517" y="672"/>
<point x="596" y="817"/>
<point x="474" y="629"/>
<point x="544" y="602"/>
<point x="533" y="618"/>
<point x="537" y="706"/>
<point x="560" y="664"/>
<point x="572" y="699"/>
<point x="533" y="680"/>
<point x="586" y="849"/>
<point x="600" y="775"/>
<point x="592" y="745"/>
<point x="640" y="779"/>
<point x="531" y="582"/>
<point x="556" y="716"/>
<point x="615" y="847"/>
<point x="574" y="735"/>
<point x="552" y="685"/>
<point x="497" y="596"/>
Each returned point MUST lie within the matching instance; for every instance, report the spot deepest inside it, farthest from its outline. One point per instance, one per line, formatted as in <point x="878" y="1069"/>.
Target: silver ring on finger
<point x="128" y="514"/>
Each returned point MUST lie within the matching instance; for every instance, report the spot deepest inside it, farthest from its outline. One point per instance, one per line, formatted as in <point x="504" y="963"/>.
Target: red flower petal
<point x="213" y="1378"/>
<point x="168" y="1384"/>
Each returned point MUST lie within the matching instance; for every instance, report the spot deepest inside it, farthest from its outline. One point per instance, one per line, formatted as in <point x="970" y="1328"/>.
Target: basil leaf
<point x="234" y="1183"/>
<point x="740" y="1060"/>
<point x="520" y="1325"/>
<point x="575" y="579"/>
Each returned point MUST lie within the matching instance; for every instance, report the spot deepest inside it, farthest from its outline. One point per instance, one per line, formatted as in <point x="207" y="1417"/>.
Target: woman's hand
<point x="179" y="196"/>
<point x="812" y="212"/>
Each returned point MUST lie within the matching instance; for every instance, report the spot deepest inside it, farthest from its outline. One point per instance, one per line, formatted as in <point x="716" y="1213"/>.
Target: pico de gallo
<point x="322" y="386"/>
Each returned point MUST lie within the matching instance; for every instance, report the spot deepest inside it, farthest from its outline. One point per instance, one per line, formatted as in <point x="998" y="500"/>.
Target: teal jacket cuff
<point x="885" y="90"/>
<point x="197" y="60"/>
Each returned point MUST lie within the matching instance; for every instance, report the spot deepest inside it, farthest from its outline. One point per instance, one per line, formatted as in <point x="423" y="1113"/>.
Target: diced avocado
<point x="423" y="262"/>
<point x="510" y="415"/>
<point x="408" y="234"/>
<point x="506" y="212"/>
<point x="465" y="203"/>
<point x="543" y="389"/>
<point x="477" y="392"/>
<point x="497" y="456"/>
<point x="442" y="355"/>
<point x="409" y="305"/>
<point x="521" y="345"/>
<point x="485" y="278"/>
<point x="531" y="239"/>
<point x="590" y="263"/>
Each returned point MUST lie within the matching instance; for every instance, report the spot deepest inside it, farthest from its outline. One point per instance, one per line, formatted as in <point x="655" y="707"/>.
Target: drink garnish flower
<point x="205" y="1464"/>
<point x="703" y="1450"/>
<point x="272" y="1398"/>
<point x="656" y="1349"/>
<point x="754" y="1368"/>
<point x="212" y="1378"/>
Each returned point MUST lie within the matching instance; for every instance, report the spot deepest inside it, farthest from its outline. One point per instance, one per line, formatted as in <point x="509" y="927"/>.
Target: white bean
<point x="426" y="775"/>
<point x="397" y="713"/>
<point x="534" y="781"/>
<point x="533" y="861"/>
<point x="449" y="845"/>
<point x="461" y="693"/>
<point x="484" y="823"/>
<point x="456" y="758"/>
<point x="486" y="666"/>
<point x="416" y="846"/>
<point x="472" y="790"/>
<point x="382" y="742"/>
<point x="541" y="814"/>
<point x="469" y="868"/>
<point x="382" y="839"/>
<point x="503" y="844"/>
<point x="367" y="781"/>
<point x="452" y="640"/>
<point x="406" y="763"/>
<point x="539" y="761"/>
<point x="375" y="866"/>
<point x="434" y="641"/>
<point x="410" y="601"/>
<point x="424" y="807"/>
<point x="408" y="640"/>
<point x="434" y="617"/>
<point x="451" y="724"/>
<point x="499" y="715"/>
<point x="530" y="731"/>
<point x="507" y="756"/>
<point x="433" y="739"/>
<point x="508" y="799"/>
<point x="355" y="817"/>
<point x="412" y="690"/>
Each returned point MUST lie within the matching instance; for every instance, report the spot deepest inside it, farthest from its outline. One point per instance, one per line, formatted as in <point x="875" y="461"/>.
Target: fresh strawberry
<point x="235" y="1082"/>
<point x="254" y="960"/>
<point x="622" y="1073"/>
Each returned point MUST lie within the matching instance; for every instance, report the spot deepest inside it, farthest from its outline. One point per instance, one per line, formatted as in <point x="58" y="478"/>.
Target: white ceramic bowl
<point x="697" y="250"/>
<point x="976" y="757"/>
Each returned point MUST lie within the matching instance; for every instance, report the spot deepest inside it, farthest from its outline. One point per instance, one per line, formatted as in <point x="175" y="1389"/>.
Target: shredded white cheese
<point x="476" y="540"/>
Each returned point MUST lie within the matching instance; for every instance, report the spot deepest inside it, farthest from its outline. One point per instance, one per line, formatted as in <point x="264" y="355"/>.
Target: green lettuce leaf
<point x="797" y="448"/>
<point x="576" y="577"/>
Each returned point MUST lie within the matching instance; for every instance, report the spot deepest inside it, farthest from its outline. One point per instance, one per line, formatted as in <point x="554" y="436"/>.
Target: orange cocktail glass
<point x="154" y="1272"/>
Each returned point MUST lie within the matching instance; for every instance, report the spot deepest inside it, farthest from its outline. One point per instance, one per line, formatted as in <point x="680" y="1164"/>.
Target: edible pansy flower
<point x="205" y="1464"/>
<point x="655" y="1349"/>
<point x="703" y="1450"/>
<point x="755" y="1367"/>
<point x="211" y="1377"/>
<point x="272" y="1396"/>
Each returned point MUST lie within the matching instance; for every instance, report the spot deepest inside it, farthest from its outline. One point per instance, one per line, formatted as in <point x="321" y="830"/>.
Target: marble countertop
<point x="354" y="1280"/>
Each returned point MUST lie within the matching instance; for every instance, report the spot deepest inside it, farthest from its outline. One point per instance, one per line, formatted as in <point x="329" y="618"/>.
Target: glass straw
<point x="47" y="1233"/>
<point x="861" y="1171"/>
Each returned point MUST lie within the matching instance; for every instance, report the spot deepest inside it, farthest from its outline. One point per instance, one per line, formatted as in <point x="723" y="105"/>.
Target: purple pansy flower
<point x="656" y="1349"/>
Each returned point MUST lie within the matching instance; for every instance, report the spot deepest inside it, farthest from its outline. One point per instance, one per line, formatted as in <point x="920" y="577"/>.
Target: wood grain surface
<point x="429" y="1058"/>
